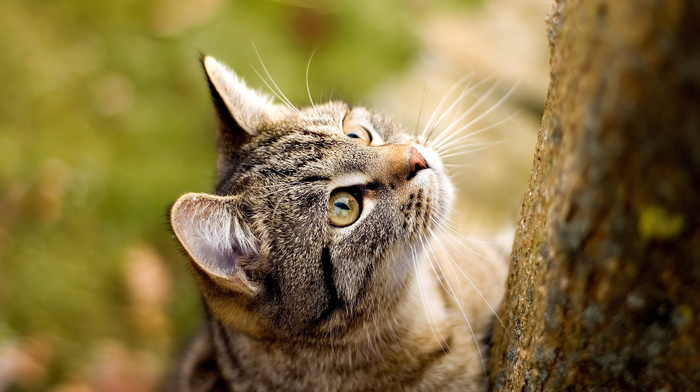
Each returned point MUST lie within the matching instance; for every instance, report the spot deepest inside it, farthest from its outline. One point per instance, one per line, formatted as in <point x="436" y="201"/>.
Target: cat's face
<point x="317" y="217"/>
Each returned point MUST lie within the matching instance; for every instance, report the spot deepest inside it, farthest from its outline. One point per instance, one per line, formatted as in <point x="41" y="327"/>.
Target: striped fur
<point x="297" y="304"/>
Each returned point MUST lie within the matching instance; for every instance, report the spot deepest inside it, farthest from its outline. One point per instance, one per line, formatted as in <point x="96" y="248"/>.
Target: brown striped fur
<point x="297" y="304"/>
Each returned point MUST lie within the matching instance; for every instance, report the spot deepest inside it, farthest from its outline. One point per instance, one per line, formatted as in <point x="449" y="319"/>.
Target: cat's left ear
<point x="242" y="111"/>
<point x="216" y="238"/>
<point x="237" y="105"/>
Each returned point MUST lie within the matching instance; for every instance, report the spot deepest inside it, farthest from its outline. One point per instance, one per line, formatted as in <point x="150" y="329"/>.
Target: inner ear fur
<point x="216" y="238"/>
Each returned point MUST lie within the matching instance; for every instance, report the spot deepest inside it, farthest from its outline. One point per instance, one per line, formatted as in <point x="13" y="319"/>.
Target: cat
<point x="318" y="260"/>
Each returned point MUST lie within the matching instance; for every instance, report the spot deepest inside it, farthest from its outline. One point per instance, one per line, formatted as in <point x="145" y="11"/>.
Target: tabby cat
<point x="318" y="259"/>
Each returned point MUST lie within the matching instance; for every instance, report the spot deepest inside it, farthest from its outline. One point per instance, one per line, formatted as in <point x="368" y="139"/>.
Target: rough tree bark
<point x="604" y="285"/>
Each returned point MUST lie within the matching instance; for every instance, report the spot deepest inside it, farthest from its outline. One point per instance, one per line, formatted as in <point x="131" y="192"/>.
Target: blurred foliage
<point x="104" y="121"/>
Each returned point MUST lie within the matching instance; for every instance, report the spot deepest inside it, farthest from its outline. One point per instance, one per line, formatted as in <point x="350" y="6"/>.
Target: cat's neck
<point x="396" y="346"/>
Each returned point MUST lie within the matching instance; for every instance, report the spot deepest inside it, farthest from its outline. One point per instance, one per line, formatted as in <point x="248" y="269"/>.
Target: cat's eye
<point x="343" y="208"/>
<point x="358" y="133"/>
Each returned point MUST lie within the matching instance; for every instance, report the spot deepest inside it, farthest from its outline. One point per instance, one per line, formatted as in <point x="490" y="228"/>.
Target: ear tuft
<point x="214" y="236"/>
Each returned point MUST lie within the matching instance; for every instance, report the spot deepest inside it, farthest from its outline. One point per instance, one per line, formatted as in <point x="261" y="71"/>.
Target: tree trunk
<point x="604" y="285"/>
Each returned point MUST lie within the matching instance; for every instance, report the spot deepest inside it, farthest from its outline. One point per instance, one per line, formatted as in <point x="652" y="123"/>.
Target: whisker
<point x="467" y="90"/>
<point x="442" y="101"/>
<point x="493" y="107"/>
<point x="451" y="167"/>
<point x="447" y="146"/>
<point x="452" y="262"/>
<point x="461" y="308"/>
<point x="444" y="223"/>
<point x="444" y="252"/>
<point x="276" y="90"/>
<point x="472" y="147"/>
<point x="424" y="300"/>
<point x="420" y="108"/>
<point x="444" y="113"/>
<point x="308" y="90"/>
<point x="448" y="220"/>
<point x="437" y="325"/>
<point x="453" y="145"/>
<point x="448" y="133"/>
<point x="286" y="103"/>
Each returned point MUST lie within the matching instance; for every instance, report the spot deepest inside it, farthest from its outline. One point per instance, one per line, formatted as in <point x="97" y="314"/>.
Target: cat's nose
<point x="416" y="162"/>
<point x="402" y="162"/>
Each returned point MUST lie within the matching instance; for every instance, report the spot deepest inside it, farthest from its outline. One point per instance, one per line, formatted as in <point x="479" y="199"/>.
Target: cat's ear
<point x="239" y="107"/>
<point x="216" y="238"/>
<point x="242" y="111"/>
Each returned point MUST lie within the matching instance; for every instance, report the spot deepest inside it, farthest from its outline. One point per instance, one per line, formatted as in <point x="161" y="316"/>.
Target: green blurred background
<point x="105" y="120"/>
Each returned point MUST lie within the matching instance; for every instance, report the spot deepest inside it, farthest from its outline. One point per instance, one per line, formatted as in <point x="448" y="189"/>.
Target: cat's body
<point x="317" y="261"/>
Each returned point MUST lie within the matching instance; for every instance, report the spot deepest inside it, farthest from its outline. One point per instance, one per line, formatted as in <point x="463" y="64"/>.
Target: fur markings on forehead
<point x="325" y="117"/>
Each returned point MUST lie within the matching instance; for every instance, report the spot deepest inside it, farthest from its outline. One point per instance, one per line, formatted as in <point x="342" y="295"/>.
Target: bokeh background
<point x="105" y="120"/>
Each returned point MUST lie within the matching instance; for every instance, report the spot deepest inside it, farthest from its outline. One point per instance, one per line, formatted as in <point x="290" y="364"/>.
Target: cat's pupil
<point x="342" y="206"/>
<point x="354" y="136"/>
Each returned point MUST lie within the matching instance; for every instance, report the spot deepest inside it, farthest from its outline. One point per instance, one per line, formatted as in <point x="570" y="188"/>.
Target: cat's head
<point x="317" y="217"/>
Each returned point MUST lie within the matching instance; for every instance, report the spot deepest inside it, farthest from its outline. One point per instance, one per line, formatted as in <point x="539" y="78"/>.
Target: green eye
<point x="343" y="209"/>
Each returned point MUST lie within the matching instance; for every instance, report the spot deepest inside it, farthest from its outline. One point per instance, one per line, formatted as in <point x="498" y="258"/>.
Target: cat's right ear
<point x="216" y="238"/>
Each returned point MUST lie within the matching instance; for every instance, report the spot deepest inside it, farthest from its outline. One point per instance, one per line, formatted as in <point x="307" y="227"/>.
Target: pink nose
<point x="416" y="162"/>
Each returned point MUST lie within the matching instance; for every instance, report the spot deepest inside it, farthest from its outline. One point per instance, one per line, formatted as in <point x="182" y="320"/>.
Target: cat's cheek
<point x="401" y="271"/>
